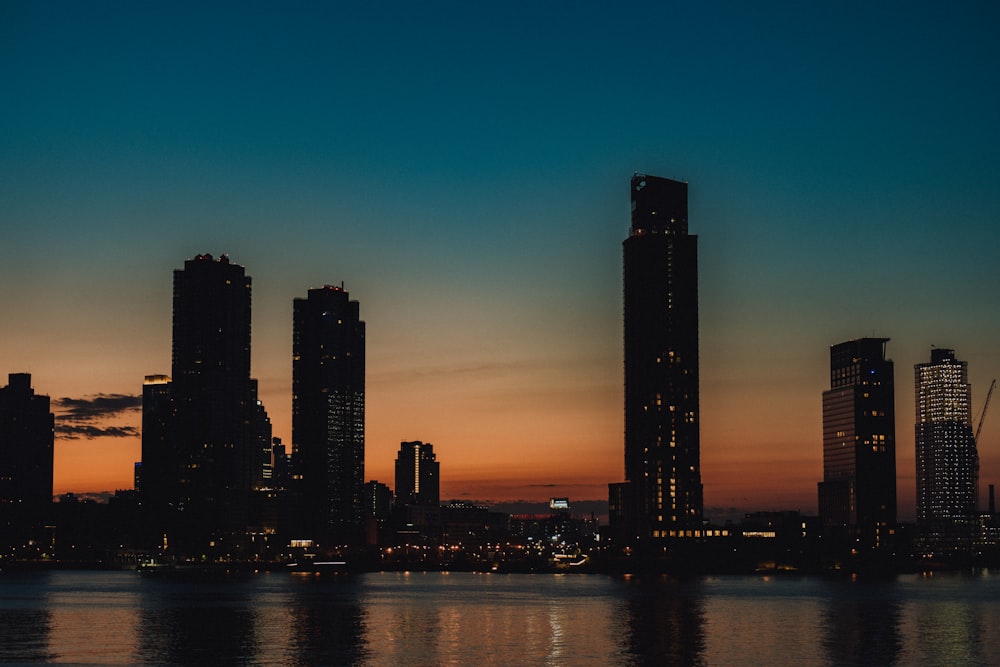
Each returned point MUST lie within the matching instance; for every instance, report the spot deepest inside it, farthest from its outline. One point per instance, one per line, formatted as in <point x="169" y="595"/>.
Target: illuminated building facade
<point x="947" y="459"/>
<point x="662" y="494"/>
<point x="328" y="416"/>
<point x="26" y="456"/>
<point x="418" y="475"/>
<point x="857" y="497"/>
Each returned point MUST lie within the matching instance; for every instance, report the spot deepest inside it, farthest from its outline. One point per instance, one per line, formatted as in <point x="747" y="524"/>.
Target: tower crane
<point x="982" y="415"/>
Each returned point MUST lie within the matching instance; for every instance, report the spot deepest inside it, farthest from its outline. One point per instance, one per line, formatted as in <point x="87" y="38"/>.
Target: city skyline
<point x="842" y="179"/>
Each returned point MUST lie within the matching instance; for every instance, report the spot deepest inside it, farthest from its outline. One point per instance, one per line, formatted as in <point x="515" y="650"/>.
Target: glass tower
<point x="857" y="497"/>
<point x="947" y="459"/>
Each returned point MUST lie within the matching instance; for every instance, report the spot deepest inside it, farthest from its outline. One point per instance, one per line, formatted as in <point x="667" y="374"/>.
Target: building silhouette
<point x="662" y="494"/>
<point x="26" y="455"/>
<point x="857" y="497"/>
<point x="158" y="472"/>
<point x="418" y="475"/>
<point x="260" y="439"/>
<point x="947" y="459"/>
<point x="201" y="453"/>
<point x="378" y="500"/>
<point x="328" y="416"/>
<point x="378" y="511"/>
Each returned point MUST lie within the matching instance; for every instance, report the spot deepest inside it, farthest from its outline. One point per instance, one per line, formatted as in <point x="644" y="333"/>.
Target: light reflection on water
<point x="490" y="619"/>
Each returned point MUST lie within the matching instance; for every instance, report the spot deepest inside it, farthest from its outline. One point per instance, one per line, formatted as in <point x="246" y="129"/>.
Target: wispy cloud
<point x="79" y="417"/>
<point x="97" y="406"/>
<point x="75" y="432"/>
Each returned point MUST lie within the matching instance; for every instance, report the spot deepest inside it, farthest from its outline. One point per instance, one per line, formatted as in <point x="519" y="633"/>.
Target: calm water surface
<point x="489" y="619"/>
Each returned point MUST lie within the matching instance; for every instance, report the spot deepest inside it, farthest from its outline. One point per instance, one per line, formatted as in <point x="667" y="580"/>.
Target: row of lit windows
<point x="691" y="533"/>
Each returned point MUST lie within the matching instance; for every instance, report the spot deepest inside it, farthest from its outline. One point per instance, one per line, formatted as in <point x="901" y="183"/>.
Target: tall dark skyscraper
<point x="857" y="497"/>
<point x="662" y="494"/>
<point x="418" y="475"/>
<point x="159" y="473"/>
<point x="328" y="415"/>
<point x="201" y="453"/>
<point x="26" y="455"/>
<point x="947" y="459"/>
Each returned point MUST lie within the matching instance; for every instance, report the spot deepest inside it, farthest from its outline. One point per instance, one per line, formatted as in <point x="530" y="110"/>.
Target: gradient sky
<point x="463" y="169"/>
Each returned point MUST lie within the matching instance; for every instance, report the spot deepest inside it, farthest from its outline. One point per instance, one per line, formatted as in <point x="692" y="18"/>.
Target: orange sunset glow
<point x="473" y="198"/>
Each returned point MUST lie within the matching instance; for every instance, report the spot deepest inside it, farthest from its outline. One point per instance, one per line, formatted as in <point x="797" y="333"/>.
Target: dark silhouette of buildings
<point x="158" y="474"/>
<point x="418" y="474"/>
<point x="378" y="511"/>
<point x="857" y="497"/>
<point x="280" y="473"/>
<point x="662" y="494"/>
<point x="260" y="438"/>
<point x="417" y="514"/>
<point x="328" y="416"/>
<point x="26" y="455"/>
<point x="201" y="452"/>
<point x="947" y="459"/>
<point x="378" y="500"/>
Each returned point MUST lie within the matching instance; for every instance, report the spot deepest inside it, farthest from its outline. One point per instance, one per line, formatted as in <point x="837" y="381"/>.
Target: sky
<point x="463" y="170"/>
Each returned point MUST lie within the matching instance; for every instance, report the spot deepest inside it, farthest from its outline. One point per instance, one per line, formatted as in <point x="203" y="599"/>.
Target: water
<point x="490" y="619"/>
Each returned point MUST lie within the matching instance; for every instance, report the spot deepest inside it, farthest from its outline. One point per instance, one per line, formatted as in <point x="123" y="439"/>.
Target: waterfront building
<point x="260" y="439"/>
<point x="466" y="524"/>
<point x="418" y="474"/>
<point x="857" y="497"/>
<point x="378" y="511"/>
<point x="158" y="469"/>
<point x="328" y="416"/>
<point x="27" y="437"/>
<point x="378" y="500"/>
<point x="662" y="493"/>
<point x="947" y="459"/>
<point x="213" y="399"/>
<point x="200" y="456"/>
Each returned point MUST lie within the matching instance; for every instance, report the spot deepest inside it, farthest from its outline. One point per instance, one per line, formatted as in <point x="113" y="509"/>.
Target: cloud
<point x="79" y="417"/>
<point x="97" y="406"/>
<point x="75" y="432"/>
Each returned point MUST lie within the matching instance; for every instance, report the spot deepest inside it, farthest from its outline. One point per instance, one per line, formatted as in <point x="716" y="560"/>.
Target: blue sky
<point x="463" y="168"/>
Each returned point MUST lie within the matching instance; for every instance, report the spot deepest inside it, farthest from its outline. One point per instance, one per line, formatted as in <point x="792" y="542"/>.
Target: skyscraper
<point x="328" y="415"/>
<point x="418" y="475"/>
<point x="260" y="437"/>
<point x="378" y="500"/>
<point x="662" y="494"/>
<point x="159" y="472"/>
<point x="26" y="455"/>
<point x="202" y="449"/>
<point x="947" y="459"/>
<point x="857" y="497"/>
